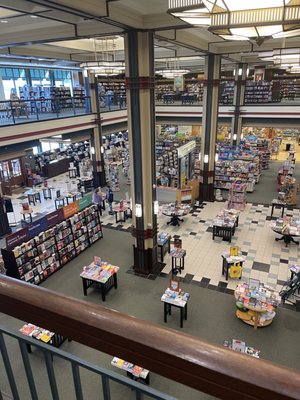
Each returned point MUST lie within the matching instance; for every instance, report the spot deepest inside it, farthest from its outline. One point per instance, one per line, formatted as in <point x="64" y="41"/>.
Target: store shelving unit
<point x="237" y="195"/>
<point x="258" y="92"/>
<point x="79" y="97"/>
<point x="39" y="257"/>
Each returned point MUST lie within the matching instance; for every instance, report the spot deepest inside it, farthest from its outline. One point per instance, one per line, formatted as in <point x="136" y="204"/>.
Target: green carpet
<point x="211" y="316"/>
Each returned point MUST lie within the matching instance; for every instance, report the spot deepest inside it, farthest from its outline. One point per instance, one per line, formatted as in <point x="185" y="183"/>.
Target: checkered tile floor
<point x="266" y="259"/>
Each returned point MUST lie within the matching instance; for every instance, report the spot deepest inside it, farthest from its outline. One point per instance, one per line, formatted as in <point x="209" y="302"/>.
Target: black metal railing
<point x="22" y="111"/>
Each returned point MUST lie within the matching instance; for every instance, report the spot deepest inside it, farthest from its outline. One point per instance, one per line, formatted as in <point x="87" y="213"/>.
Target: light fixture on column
<point x="205" y="158"/>
<point x="216" y="157"/>
<point x="234" y="136"/>
<point x="241" y="20"/>
<point x="155" y="207"/>
<point x="240" y="72"/>
<point x="199" y="157"/>
<point x="247" y="72"/>
<point x="102" y="149"/>
<point x="93" y="150"/>
<point x="130" y="203"/>
<point x="138" y="210"/>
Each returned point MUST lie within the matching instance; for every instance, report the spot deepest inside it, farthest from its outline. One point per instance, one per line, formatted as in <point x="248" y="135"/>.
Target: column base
<point x="207" y="192"/>
<point x="145" y="260"/>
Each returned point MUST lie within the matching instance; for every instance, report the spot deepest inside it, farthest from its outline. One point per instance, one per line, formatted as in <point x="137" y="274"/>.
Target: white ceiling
<point x="61" y="29"/>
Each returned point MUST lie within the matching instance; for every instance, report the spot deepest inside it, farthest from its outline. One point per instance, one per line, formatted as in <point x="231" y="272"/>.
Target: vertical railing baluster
<point x="105" y="387"/>
<point x="51" y="375"/>
<point x="138" y="395"/>
<point x="28" y="370"/>
<point x="9" y="372"/>
<point x="77" y="381"/>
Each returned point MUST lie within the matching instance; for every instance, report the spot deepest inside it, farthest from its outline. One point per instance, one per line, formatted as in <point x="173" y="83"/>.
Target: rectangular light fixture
<point x="93" y="150"/>
<point x="205" y="158"/>
<point x="102" y="149"/>
<point x="234" y="136"/>
<point x="216" y="157"/>
<point x="138" y="210"/>
<point x="155" y="207"/>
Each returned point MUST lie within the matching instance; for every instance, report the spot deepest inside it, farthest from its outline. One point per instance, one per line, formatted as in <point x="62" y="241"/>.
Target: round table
<point x="286" y="236"/>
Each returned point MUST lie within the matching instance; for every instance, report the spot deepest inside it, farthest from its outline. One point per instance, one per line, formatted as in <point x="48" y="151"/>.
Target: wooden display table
<point x="133" y="371"/>
<point x="42" y="335"/>
<point x="228" y="261"/>
<point x="104" y="275"/>
<point x="278" y="204"/>
<point x="177" y="254"/>
<point x="256" y="303"/>
<point x="288" y="228"/>
<point x="33" y="196"/>
<point x="179" y="300"/>
<point x="225" y="223"/>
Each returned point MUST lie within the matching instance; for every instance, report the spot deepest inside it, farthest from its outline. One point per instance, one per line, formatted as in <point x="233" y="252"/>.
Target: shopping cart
<point x="289" y="289"/>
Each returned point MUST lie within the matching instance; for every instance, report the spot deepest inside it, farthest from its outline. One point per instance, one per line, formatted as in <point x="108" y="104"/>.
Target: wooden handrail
<point x="183" y="358"/>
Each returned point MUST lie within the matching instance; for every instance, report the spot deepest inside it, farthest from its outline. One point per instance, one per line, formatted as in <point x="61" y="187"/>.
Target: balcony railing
<point x="183" y="358"/>
<point x="23" y="111"/>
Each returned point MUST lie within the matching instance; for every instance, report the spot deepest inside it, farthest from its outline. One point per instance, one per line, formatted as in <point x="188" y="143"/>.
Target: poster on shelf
<point x="182" y="172"/>
<point x="16" y="238"/>
<point x="85" y="201"/>
<point x="71" y="209"/>
<point x="37" y="227"/>
<point x="55" y="217"/>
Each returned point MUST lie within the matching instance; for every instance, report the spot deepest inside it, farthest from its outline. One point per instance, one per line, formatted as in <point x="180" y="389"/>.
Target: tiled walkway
<point x="266" y="259"/>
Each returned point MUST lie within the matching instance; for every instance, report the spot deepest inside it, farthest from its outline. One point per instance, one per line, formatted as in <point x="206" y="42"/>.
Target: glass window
<point x="16" y="167"/>
<point x="4" y="171"/>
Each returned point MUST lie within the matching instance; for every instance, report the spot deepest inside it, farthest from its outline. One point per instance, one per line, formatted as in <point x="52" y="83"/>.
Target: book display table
<point x="288" y="228"/>
<point x="119" y="210"/>
<point x="177" y="254"/>
<point x="133" y="371"/>
<point x="295" y="269"/>
<point x="278" y="204"/>
<point x="179" y="300"/>
<point x="225" y="223"/>
<point x="72" y="195"/>
<point x="43" y="335"/>
<point x="87" y="183"/>
<point x="104" y="275"/>
<point x="27" y="213"/>
<point x="164" y="245"/>
<point x="241" y="347"/>
<point x="47" y="192"/>
<point x="33" y="196"/>
<point x="229" y="261"/>
<point x="256" y="303"/>
<point x="175" y="212"/>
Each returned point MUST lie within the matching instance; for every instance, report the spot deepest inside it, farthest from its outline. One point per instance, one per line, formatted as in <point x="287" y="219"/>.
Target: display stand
<point x="176" y="299"/>
<point x="48" y="250"/>
<point x="237" y="196"/>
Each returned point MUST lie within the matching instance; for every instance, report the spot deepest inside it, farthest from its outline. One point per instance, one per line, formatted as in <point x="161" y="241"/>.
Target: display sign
<point x="186" y="148"/>
<point x="182" y="172"/>
<point x="71" y="209"/>
<point x="36" y="227"/>
<point x="16" y="238"/>
<point x="55" y="217"/>
<point x="85" y="201"/>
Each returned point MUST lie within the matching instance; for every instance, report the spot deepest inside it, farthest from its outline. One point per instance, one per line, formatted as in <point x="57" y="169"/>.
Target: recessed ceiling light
<point x="4" y="21"/>
<point x="33" y="16"/>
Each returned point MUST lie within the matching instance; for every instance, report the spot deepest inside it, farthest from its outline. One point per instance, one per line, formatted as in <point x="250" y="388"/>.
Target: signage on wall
<point x="186" y="148"/>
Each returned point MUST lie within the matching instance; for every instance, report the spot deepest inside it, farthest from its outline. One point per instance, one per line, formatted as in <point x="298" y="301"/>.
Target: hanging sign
<point x="186" y="148"/>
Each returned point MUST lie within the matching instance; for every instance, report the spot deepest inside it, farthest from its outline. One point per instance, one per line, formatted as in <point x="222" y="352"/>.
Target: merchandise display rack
<point x="258" y="92"/>
<point x="237" y="195"/>
<point x="33" y="261"/>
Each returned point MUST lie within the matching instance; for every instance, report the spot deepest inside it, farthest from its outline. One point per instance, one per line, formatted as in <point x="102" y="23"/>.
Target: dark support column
<point x="51" y="77"/>
<point x="238" y="101"/>
<point x="139" y="60"/>
<point x="97" y="157"/>
<point x="209" y="126"/>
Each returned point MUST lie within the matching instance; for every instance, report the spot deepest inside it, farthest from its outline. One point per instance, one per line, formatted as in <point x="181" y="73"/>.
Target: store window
<point x="63" y="78"/>
<point x="16" y="167"/>
<point x="13" y="79"/>
<point x="40" y="77"/>
<point x="45" y="146"/>
<point x="4" y="171"/>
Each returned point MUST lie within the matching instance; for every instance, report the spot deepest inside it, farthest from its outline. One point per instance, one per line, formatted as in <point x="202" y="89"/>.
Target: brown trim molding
<point x="141" y="82"/>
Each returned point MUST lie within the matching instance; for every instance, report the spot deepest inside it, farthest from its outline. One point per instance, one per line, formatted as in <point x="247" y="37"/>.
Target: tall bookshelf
<point x="258" y="92"/>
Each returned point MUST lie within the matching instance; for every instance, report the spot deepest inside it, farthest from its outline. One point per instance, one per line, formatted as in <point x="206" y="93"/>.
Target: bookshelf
<point x="35" y="259"/>
<point x="258" y="92"/>
<point x="237" y="195"/>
